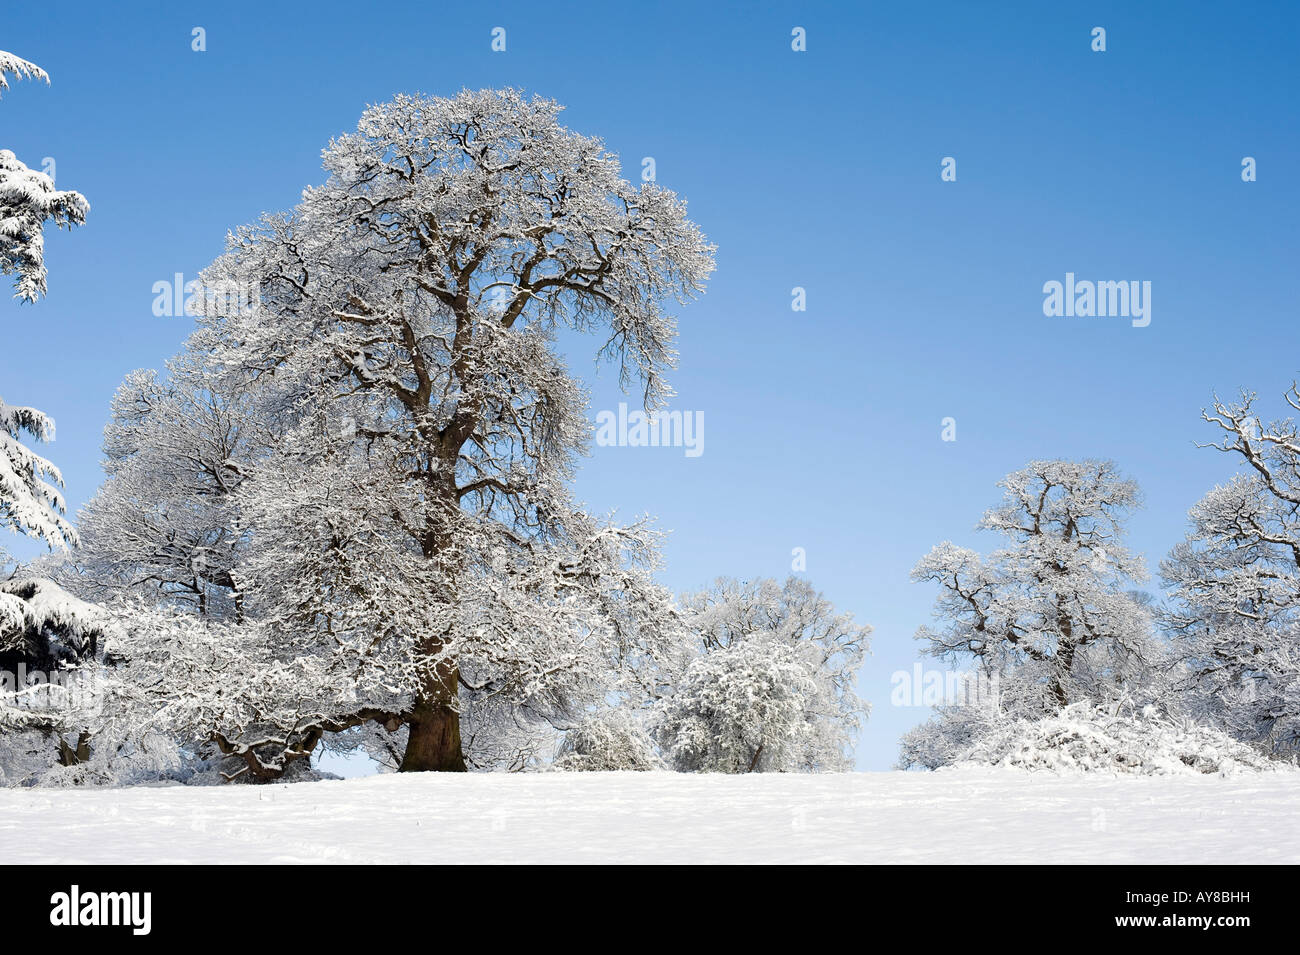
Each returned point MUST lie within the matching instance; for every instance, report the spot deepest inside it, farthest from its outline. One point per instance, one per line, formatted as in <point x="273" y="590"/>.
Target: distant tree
<point x="769" y="684"/>
<point x="1049" y="621"/>
<point x="1052" y="609"/>
<point x="609" y="739"/>
<point x="755" y="707"/>
<point x="1234" y="582"/>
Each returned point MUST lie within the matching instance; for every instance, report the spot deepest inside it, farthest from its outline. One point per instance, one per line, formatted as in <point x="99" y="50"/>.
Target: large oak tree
<point x="402" y="322"/>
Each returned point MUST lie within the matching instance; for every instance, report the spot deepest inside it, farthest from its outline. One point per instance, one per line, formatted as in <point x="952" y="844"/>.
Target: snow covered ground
<point x="951" y="816"/>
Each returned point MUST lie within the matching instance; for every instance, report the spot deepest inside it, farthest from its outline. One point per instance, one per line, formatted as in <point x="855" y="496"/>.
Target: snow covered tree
<point x="29" y="500"/>
<point x="412" y="530"/>
<point x="39" y="631"/>
<point x="1050" y="614"/>
<point x="1235" y="582"/>
<point x="43" y="629"/>
<point x="1241" y="561"/>
<point x="28" y="200"/>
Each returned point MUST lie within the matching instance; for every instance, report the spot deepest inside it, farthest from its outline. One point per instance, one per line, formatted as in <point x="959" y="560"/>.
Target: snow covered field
<point x="945" y="817"/>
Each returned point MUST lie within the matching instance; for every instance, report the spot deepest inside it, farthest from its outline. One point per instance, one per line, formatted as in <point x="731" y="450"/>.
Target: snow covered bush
<point x="608" y="740"/>
<point x="1021" y="693"/>
<point x="946" y="737"/>
<point x="50" y="695"/>
<point x="757" y="706"/>
<point x="765" y="682"/>
<point x="113" y="760"/>
<point x="1084" y="737"/>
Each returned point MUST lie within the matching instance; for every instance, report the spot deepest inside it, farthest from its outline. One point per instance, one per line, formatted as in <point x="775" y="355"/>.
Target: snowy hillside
<point x="965" y="816"/>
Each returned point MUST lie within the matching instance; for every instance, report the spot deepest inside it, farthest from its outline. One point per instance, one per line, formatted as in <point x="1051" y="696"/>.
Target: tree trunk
<point x="433" y="744"/>
<point x="1064" y="662"/>
<point x="433" y="727"/>
<point x="72" y="757"/>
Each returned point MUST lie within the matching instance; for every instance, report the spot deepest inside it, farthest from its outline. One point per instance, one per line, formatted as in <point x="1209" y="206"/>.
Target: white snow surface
<point x="951" y="816"/>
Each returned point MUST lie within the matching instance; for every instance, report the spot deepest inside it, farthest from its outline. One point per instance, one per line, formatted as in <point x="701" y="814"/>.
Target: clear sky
<point x="818" y="169"/>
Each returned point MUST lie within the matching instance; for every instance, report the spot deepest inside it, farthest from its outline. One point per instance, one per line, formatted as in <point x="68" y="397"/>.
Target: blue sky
<point x="817" y="169"/>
